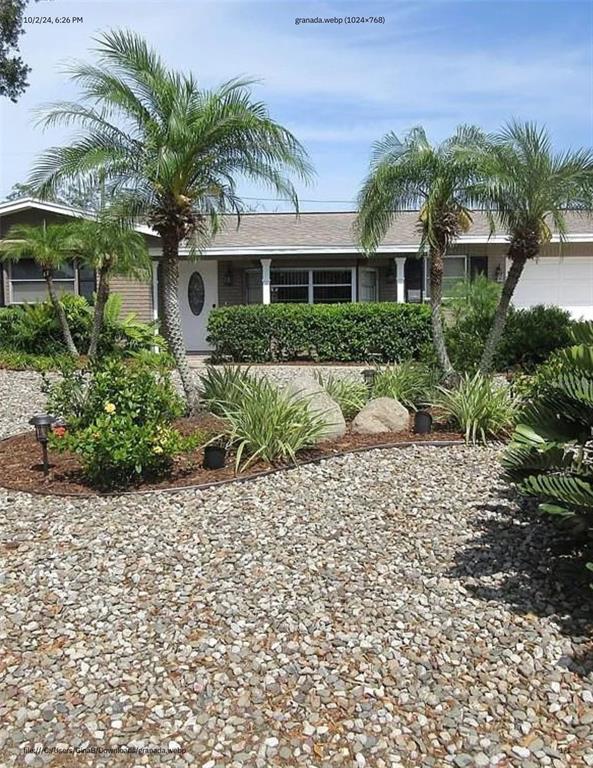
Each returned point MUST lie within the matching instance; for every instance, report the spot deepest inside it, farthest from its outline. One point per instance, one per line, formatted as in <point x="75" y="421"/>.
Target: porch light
<point x="391" y="276"/>
<point x="42" y="424"/>
<point x="227" y="278"/>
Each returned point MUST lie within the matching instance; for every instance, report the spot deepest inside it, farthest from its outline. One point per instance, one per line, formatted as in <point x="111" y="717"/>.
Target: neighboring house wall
<point x="136" y="295"/>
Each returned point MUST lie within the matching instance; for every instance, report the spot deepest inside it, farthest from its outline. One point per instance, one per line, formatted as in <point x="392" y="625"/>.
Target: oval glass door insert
<point x="195" y="293"/>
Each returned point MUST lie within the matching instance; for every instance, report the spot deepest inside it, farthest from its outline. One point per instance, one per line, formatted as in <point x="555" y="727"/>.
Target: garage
<point x="566" y="281"/>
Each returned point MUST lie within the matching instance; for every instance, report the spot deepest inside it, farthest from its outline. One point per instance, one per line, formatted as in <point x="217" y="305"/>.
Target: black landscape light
<point x="368" y="376"/>
<point x="422" y="420"/>
<point x="42" y="424"/>
<point x="214" y="456"/>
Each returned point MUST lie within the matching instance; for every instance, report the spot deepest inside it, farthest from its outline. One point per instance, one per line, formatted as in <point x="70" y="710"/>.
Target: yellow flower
<point x="109" y="408"/>
<point x="157" y="449"/>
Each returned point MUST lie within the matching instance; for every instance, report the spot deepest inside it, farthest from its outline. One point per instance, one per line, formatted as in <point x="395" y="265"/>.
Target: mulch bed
<point x="21" y="468"/>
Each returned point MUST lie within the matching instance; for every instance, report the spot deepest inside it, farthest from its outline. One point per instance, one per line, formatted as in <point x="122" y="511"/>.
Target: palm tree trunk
<point x="98" y="315"/>
<point x="60" y="313"/>
<point x="500" y="316"/>
<point x="172" y="327"/>
<point x="436" y="298"/>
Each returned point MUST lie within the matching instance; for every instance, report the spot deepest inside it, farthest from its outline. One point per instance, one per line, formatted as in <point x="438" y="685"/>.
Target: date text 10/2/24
<point x="53" y="20"/>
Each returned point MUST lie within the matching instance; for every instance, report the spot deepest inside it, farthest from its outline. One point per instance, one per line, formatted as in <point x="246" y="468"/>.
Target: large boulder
<point x="385" y="414"/>
<point x="319" y="402"/>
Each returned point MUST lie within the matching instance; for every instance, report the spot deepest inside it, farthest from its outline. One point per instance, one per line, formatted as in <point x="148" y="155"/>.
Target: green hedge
<point x="320" y="332"/>
<point x="530" y="336"/>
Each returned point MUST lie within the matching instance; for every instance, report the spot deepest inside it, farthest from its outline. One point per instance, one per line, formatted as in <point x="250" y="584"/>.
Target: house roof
<point x="314" y="232"/>
<point x="27" y="203"/>
<point x="275" y="233"/>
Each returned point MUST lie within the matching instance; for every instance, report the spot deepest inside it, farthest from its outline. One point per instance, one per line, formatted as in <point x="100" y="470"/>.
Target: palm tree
<point x="528" y="188"/>
<point x="171" y="151"/>
<point x="110" y="247"/>
<point x="414" y="174"/>
<point x="49" y="247"/>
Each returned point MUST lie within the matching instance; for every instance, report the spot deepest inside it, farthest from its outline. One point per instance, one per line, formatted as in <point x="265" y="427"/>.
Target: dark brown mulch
<point x="21" y="468"/>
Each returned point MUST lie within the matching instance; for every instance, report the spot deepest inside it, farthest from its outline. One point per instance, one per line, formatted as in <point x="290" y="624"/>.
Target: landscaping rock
<point x="321" y="403"/>
<point x="385" y="414"/>
<point x="397" y="605"/>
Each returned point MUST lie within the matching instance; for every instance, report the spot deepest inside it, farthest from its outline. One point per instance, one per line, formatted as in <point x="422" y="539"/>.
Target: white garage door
<point x="565" y="281"/>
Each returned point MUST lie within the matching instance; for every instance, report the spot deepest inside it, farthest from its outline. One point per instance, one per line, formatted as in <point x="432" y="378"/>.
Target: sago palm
<point x="49" y="246"/>
<point x="432" y="179"/>
<point x="527" y="188"/>
<point x="110" y="247"/>
<point x="171" y="151"/>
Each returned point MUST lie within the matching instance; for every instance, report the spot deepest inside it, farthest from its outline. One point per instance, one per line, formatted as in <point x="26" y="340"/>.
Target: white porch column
<point x="400" y="293"/>
<point x="265" y="280"/>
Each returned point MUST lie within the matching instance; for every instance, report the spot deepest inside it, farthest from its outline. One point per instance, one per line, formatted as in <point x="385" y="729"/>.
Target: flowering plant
<point x="116" y="452"/>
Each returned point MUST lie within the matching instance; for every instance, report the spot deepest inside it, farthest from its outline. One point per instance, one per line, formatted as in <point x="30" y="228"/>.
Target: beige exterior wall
<point x="136" y="295"/>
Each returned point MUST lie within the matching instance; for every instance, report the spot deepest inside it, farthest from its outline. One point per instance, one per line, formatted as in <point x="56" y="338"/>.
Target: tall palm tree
<point x="171" y="151"/>
<point x="110" y="247"/>
<point x="528" y="188"/>
<point x="433" y="179"/>
<point x="49" y="247"/>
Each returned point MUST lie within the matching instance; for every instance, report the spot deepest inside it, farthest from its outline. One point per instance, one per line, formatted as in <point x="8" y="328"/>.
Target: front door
<point x="198" y="294"/>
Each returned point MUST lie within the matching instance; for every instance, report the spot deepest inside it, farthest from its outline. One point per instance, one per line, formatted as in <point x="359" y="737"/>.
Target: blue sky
<point x="337" y="87"/>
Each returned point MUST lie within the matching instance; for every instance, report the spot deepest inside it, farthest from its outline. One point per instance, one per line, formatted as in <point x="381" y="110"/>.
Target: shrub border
<point x="247" y="478"/>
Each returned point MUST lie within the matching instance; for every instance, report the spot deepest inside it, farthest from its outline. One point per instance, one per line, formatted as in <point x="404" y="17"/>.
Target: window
<point x="454" y="270"/>
<point x="289" y="286"/>
<point x="303" y="286"/>
<point x="195" y="293"/>
<point x="367" y="284"/>
<point x="253" y="290"/>
<point x="27" y="283"/>
<point x="332" y="286"/>
<point x="87" y="281"/>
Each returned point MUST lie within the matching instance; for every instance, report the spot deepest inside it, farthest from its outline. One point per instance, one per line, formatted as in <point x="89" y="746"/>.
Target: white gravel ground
<point x="391" y="608"/>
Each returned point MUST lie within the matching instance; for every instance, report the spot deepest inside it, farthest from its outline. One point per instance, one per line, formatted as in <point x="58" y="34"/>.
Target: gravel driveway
<point x="386" y="609"/>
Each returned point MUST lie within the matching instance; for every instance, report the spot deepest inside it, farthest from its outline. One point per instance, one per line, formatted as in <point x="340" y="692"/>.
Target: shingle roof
<point x="335" y="230"/>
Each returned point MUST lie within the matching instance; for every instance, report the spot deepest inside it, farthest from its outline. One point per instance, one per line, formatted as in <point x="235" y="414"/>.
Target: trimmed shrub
<point x="321" y="332"/>
<point x="529" y="337"/>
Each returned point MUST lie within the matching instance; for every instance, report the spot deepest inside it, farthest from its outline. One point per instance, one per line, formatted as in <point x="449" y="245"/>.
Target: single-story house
<point x="313" y="258"/>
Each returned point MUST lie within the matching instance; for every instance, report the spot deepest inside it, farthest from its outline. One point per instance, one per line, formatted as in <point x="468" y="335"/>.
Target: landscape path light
<point x="43" y="423"/>
<point x="422" y="420"/>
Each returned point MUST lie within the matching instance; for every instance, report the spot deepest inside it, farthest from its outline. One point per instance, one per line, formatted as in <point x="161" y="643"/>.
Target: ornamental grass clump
<point x="266" y="424"/>
<point x="223" y="386"/>
<point x="119" y="422"/>
<point x="349" y="394"/>
<point x="479" y="407"/>
<point x="409" y="383"/>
